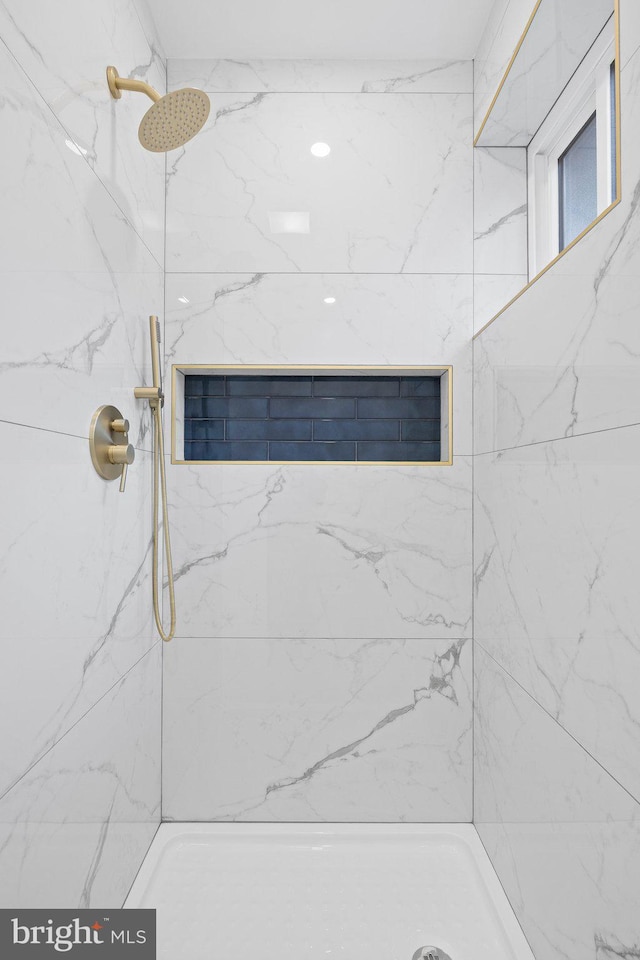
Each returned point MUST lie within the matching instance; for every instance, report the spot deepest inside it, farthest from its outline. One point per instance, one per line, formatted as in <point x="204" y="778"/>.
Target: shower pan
<point x="359" y="891"/>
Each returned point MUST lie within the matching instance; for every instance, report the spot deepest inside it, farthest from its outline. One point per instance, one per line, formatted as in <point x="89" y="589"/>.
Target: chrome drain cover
<point x="430" y="953"/>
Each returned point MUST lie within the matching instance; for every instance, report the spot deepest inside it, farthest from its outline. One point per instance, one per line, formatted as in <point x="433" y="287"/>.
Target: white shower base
<point x="294" y="891"/>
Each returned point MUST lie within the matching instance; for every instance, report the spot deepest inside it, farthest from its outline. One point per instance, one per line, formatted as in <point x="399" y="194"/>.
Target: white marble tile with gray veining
<point x="557" y="40"/>
<point x="556" y="532"/>
<point x="60" y="215"/>
<point x="95" y="130"/>
<point x="91" y="803"/>
<point x="393" y="196"/>
<point x="563" y="836"/>
<point x="323" y="76"/>
<point x="506" y="22"/>
<point x="78" y="340"/>
<point x="500" y="211"/>
<point x="375" y="320"/>
<point x="322" y="551"/>
<point x="528" y="770"/>
<point x="372" y="730"/>
<point x="77" y="281"/>
<point x="76" y="591"/>
<point x="589" y="685"/>
<point x="564" y="359"/>
<point x="629" y="30"/>
<point x="491" y="293"/>
<point x="574" y="887"/>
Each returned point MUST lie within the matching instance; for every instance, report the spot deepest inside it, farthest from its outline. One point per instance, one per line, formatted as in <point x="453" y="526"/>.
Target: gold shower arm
<point x="118" y="83"/>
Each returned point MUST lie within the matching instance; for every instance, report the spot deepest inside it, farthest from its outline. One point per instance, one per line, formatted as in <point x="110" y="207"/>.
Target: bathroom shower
<point x="172" y="121"/>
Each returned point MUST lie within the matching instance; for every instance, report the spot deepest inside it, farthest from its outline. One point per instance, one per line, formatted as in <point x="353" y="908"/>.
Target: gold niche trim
<point x="322" y="370"/>
<point x="614" y="203"/>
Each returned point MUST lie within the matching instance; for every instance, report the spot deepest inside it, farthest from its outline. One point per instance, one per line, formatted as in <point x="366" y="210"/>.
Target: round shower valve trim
<point x="111" y="452"/>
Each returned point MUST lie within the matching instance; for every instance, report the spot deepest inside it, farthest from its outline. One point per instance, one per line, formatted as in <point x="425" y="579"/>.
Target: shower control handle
<point x="111" y="452"/>
<point x="121" y="453"/>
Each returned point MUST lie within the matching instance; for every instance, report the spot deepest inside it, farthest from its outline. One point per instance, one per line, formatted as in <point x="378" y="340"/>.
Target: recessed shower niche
<point x="312" y="414"/>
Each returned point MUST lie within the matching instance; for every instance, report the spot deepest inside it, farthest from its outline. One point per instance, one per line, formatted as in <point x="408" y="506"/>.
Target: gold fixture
<point x="111" y="452"/>
<point x="172" y="120"/>
<point x="155" y="397"/>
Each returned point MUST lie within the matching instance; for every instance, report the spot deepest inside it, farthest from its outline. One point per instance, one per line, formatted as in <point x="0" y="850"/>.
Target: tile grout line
<point x="560" y="725"/>
<point x="573" y="436"/>
<point x="89" y="710"/>
<point x="90" y="167"/>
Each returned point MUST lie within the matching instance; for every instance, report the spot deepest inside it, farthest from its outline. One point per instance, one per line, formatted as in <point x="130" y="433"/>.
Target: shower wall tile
<point x="506" y="23"/>
<point x="500" y="210"/>
<point x="86" y="813"/>
<point x="349" y="561"/>
<point x="394" y="195"/>
<point x="563" y="836"/>
<point x="629" y="30"/>
<point x="81" y="266"/>
<point x="565" y="358"/>
<point x="491" y="293"/>
<point x="322" y="551"/>
<point x="323" y="76"/>
<point x="590" y="687"/>
<point x="557" y="522"/>
<point x="75" y="587"/>
<point x="77" y="281"/>
<point x="82" y="341"/>
<point x="578" y="500"/>
<point x="372" y="730"/>
<point x="97" y="131"/>
<point x="543" y="371"/>
<point x="567" y="630"/>
<point x="500" y="229"/>
<point x="282" y="319"/>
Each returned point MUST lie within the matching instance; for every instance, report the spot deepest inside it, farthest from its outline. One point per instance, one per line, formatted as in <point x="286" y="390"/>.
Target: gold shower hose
<point x="155" y="397"/>
<point x="160" y="482"/>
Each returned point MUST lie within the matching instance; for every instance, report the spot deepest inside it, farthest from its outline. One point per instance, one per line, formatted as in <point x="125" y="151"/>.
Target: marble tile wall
<point x="506" y="23"/>
<point x="335" y="601"/>
<point x="557" y="521"/>
<point x="499" y="229"/>
<point x="81" y="267"/>
<point x="500" y="176"/>
<point x="563" y="834"/>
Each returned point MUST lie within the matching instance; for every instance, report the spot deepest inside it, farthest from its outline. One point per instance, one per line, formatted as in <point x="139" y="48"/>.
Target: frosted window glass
<point x="578" y="184"/>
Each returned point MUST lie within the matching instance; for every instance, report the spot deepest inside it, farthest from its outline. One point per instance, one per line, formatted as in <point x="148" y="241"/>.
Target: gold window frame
<point x="614" y="203"/>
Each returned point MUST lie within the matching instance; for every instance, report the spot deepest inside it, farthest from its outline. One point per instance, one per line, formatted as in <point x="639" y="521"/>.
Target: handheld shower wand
<point x="155" y="397"/>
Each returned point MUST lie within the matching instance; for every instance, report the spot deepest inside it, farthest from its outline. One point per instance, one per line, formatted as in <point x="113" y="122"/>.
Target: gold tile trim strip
<point x="507" y="72"/>
<point x="601" y="216"/>
<point x="321" y="370"/>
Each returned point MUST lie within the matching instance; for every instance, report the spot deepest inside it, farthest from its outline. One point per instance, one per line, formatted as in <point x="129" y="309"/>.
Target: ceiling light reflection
<point x="321" y="149"/>
<point x="76" y="148"/>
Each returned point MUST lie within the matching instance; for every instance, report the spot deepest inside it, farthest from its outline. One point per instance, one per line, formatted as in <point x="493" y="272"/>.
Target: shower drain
<point x="430" y="953"/>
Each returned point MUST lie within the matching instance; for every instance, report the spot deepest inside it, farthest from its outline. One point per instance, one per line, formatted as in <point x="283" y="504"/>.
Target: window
<point x="572" y="157"/>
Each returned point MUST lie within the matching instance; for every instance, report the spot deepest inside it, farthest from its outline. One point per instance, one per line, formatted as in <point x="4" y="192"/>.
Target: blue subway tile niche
<point x="312" y="418"/>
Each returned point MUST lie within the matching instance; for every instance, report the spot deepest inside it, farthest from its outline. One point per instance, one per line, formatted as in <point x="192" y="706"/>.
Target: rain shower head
<point x="172" y="120"/>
